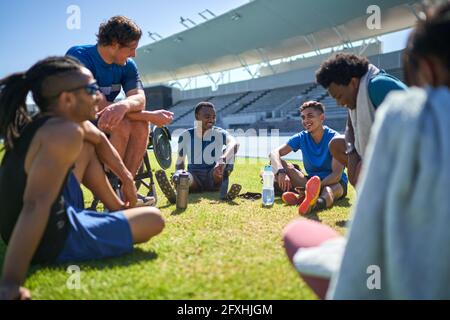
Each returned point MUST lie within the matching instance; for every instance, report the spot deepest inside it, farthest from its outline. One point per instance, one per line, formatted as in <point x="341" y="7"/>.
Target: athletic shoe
<point x="165" y="186"/>
<point x="144" y="201"/>
<point x="292" y="198"/>
<point x="233" y="192"/>
<point x="312" y="194"/>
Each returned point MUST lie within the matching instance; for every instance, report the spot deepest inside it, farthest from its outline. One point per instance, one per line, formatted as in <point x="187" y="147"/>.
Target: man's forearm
<point x="134" y="103"/>
<point x="275" y="160"/>
<point x="24" y="241"/>
<point x="354" y="166"/>
<point x="142" y="115"/>
<point x="179" y="165"/>
<point x="349" y="132"/>
<point x="108" y="155"/>
<point x="231" y="151"/>
<point x="331" y="179"/>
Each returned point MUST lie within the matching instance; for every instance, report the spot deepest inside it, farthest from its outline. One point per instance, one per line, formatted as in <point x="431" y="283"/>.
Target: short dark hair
<point x="118" y="29"/>
<point x="429" y="38"/>
<point x="341" y="68"/>
<point x="202" y="104"/>
<point x="313" y="105"/>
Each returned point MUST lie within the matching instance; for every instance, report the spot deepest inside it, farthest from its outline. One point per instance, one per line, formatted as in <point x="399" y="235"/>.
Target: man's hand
<point x="284" y="182"/>
<point x="129" y="193"/>
<point x="111" y="117"/>
<point x="161" y="117"/>
<point x="14" y="292"/>
<point x="219" y="169"/>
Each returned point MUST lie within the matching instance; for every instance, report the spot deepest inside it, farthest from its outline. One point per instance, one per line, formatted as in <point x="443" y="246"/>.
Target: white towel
<point x="363" y="115"/>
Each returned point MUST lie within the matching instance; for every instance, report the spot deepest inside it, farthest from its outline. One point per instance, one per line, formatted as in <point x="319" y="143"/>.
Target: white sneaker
<point x="144" y="201"/>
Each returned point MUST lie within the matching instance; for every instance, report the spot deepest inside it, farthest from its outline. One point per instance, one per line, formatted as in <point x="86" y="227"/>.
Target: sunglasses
<point x="90" y="89"/>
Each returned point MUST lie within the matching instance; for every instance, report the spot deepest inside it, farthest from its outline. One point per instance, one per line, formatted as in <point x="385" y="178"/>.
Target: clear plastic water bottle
<point x="268" y="194"/>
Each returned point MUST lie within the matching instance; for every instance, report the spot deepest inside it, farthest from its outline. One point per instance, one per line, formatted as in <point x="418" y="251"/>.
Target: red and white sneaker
<point x="312" y="191"/>
<point x="292" y="198"/>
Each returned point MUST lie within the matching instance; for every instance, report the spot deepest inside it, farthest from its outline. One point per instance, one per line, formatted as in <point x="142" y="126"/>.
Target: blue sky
<point x="34" y="29"/>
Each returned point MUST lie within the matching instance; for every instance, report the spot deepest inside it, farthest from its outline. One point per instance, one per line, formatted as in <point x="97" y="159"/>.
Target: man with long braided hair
<point x="41" y="217"/>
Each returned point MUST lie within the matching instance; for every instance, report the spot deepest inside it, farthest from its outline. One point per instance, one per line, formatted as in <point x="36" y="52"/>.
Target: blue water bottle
<point x="268" y="194"/>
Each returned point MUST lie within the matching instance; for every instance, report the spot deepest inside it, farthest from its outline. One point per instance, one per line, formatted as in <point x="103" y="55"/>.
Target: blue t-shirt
<point x="380" y="85"/>
<point x="202" y="153"/>
<point x="317" y="158"/>
<point x="110" y="77"/>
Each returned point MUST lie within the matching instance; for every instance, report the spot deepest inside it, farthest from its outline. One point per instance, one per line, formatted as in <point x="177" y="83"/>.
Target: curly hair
<point x="118" y="29"/>
<point x="313" y="105"/>
<point x="340" y="69"/>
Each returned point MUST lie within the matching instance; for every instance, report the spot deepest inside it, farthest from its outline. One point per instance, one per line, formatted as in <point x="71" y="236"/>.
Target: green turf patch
<point x="213" y="250"/>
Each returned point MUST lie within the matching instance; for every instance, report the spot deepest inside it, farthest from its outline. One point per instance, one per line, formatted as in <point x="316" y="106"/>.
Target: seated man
<point x="360" y="87"/>
<point x="203" y="146"/>
<point x="110" y="61"/>
<point x="325" y="180"/>
<point x="41" y="217"/>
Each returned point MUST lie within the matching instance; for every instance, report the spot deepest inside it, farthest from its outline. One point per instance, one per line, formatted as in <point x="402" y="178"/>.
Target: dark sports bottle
<point x="182" y="183"/>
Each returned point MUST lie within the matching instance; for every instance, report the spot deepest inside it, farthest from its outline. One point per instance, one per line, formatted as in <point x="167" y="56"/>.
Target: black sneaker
<point x="165" y="186"/>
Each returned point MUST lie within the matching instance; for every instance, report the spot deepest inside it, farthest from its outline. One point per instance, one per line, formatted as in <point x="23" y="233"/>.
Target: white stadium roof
<point x="264" y="30"/>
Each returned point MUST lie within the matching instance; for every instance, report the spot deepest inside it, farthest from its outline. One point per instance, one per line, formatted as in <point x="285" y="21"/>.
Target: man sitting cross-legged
<point x="324" y="181"/>
<point x="203" y="146"/>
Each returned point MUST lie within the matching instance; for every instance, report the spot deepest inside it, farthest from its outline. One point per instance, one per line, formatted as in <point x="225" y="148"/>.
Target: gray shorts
<point x="204" y="179"/>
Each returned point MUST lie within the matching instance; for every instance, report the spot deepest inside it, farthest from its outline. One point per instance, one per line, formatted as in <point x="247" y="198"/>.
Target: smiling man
<point x="111" y="63"/>
<point x="47" y="158"/>
<point x="360" y="87"/>
<point x="324" y="180"/>
<point x="203" y="146"/>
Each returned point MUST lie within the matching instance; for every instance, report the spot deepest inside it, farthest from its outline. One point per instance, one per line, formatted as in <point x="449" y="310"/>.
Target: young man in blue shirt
<point x="110" y="62"/>
<point x="360" y="87"/>
<point x="324" y="180"/>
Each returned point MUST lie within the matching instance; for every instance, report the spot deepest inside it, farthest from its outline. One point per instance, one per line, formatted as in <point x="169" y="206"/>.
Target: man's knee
<point x="139" y="128"/>
<point x="154" y="222"/>
<point x="123" y="129"/>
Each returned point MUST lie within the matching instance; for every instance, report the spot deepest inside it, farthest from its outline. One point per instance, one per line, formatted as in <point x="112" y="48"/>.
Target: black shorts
<point x="341" y="182"/>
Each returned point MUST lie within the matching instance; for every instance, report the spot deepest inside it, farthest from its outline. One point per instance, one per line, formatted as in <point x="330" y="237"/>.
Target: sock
<point x="321" y="204"/>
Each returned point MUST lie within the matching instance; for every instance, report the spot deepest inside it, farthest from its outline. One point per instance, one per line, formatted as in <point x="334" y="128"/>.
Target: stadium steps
<point x="188" y="118"/>
<point x="178" y="118"/>
<point x="249" y="103"/>
<point x="234" y="101"/>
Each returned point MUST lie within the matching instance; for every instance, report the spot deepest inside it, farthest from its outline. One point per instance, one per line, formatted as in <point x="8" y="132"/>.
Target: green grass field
<point x="213" y="250"/>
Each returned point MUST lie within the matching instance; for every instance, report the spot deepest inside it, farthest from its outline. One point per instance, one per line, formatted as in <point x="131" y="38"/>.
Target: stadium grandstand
<point x="280" y="44"/>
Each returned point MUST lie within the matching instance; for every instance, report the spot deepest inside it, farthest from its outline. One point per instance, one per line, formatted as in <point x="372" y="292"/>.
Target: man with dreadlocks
<point x="40" y="221"/>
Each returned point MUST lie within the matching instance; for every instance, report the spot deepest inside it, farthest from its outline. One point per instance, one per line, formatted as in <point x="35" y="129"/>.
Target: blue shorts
<point x="94" y="235"/>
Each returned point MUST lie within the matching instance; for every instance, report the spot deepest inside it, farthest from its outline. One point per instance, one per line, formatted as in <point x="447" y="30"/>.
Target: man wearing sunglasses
<point x="125" y="121"/>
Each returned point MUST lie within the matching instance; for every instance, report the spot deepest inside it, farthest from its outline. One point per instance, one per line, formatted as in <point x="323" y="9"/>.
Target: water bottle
<point x="268" y="194"/>
<point x="182" y="187"/>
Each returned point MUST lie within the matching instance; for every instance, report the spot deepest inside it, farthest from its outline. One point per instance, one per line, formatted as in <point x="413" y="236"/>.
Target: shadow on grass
<point x="134" y="257"/>
<point x="344" y="203"/>
<point x="313" y="216"/>
<point x="342" y="223"/>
